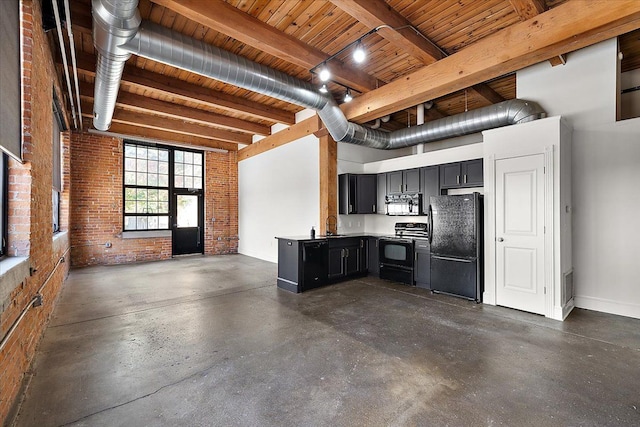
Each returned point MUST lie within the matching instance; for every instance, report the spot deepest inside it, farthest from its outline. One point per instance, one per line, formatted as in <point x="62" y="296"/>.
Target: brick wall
<point x="221" y="203"/>
<point x="97" y="204"/>
<point x="30" y="213"/>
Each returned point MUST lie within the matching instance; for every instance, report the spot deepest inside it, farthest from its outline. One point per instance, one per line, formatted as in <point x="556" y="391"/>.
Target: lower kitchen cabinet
<point x="307" y="264"/>
<point x="346" y="257"/>
<point x="302" y="265"/>
<point x="373" y="256"/>
<point x="422" y="263"/>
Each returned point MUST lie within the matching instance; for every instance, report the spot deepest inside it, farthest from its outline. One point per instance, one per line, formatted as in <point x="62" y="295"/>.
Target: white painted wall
<point x="278" y="195"/>
<point x="605" y="175"/>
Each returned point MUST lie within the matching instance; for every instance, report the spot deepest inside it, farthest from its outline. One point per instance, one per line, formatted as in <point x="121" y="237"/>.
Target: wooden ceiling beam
<point x="170" y="125"/>
<point x="170" y="137"/>
<point x="150" y="105"/>
<point x="225" y="18"/>
<point x="292" y="133"/>
<point x="568" y="27"/>
<point x="189" y="92"/>
<point x="377" y="13"/>
<point x="487" y="93"/>
<point x="527" y="9"/>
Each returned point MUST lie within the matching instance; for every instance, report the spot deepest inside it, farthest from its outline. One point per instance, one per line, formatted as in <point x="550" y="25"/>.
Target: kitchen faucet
<point x="328" y="228"/>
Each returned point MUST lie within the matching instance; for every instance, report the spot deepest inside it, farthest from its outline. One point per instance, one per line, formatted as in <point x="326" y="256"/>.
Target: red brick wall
<point x="221" y="203"/>
<point x="97" y="204"/>
<point x="30" y="213"/>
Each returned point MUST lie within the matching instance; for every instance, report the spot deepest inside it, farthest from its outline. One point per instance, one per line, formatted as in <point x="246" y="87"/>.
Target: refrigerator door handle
<point x="430" y="230"/>
<point x="444" y="258"/>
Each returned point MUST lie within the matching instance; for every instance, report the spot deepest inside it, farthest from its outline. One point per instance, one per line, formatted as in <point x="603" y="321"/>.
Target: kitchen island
<point x="305" y="263"/>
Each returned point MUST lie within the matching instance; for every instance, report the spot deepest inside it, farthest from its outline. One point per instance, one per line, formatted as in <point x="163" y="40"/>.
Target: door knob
<point x="500" y="239"/>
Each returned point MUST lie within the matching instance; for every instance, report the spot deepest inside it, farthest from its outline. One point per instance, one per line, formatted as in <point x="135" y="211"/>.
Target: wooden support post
<point x="328" y="182"/>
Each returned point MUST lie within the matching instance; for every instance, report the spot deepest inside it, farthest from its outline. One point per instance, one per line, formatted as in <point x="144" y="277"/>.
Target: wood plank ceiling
<point x="166" y="103"/>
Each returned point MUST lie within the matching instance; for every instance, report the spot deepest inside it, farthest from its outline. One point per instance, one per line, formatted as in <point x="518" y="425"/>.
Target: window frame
<point x="171" y="188"/>
<point x="145" y="187"/>
<point x="57" y="125"/>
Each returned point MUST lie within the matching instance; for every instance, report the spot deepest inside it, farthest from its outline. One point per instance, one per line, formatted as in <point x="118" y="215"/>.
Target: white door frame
<point x="489" y="296"/>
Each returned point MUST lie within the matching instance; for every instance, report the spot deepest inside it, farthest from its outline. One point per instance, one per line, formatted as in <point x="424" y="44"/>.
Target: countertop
<point x="322" y="237"/>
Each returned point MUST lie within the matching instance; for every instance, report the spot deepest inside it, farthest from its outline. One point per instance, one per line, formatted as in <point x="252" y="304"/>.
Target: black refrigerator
<point x="456" y="245"/>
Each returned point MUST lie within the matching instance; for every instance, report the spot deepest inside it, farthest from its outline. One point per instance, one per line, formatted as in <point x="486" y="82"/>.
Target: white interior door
<point x="520" y="233"/>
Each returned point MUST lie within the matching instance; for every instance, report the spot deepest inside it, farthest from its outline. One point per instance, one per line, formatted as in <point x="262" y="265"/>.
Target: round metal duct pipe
<point x="114" y="23"/>
<point x="169" y="47"/>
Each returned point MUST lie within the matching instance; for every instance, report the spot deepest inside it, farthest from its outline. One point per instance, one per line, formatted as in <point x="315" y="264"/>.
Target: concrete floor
<point x="203" y="341"/>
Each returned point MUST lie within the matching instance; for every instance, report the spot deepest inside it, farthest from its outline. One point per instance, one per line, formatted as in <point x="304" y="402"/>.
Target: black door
<point x="188" y="225"/>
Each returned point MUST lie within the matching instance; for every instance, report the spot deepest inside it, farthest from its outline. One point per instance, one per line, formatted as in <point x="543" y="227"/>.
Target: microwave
<point x="403" y="204"/>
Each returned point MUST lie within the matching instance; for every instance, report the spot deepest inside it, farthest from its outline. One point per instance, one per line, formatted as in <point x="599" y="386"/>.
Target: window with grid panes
<point x="146" y="187"/>
<point x="187" y="170"/>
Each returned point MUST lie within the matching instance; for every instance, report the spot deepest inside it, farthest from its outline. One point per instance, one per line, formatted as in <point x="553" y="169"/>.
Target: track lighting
<point x="325" y="74"/>
<point x="359" y="55"/>
<point x="347" y="96"/>
<point x="323" y="88"/>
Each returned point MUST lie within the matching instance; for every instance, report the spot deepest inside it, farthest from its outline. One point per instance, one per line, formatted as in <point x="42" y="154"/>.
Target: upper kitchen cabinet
<point x="461" y="174"/>
<point x="430" y="182"/>
<point x="382" y="193"/>
<point x="358" y="194"/>
<point x="405" y="181"/>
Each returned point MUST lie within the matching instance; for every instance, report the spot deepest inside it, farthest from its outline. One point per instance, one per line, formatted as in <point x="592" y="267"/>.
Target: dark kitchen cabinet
<point x="405" y="181"/>
<point x="462" y="174"/>
<point x="430" y="180"/>
<point x="358" y="193"/>
<point x="302" y="265"/>
<point x="345" y="257"/>
<point x="382" y="193"/>
<point x="373" y="258"/>
<point x="422" y="263"/>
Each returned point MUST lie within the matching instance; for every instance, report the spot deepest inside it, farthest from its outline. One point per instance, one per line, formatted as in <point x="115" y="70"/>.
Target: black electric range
<point x="396" y="252"/>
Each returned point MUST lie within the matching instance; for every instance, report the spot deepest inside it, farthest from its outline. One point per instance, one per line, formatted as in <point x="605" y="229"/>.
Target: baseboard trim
<point x="608" y="306"/>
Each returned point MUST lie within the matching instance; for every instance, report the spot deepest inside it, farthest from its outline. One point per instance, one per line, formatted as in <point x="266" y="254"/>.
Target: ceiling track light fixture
<point x="347" y="96"/>
<point x="324" y="74"/>
<point x="359" y="54"/>
<point x="324" y="88"/>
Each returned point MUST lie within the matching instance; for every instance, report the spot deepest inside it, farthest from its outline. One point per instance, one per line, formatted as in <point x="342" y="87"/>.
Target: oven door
<point x="396" y="252"/>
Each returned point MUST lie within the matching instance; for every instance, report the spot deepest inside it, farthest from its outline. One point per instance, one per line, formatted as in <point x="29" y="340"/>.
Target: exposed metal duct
<point x="163" y="45"/>
<point x="114" y="23"/>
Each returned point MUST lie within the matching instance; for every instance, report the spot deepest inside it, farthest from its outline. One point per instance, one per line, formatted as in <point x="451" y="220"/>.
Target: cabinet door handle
<point x="457" y="179"/>
<point x="346" y="253"/>
<point x="374" y="208"/>
<point x="400" y="188"/>
<point x="350" y="208"/>
<point x="465" y="178"/>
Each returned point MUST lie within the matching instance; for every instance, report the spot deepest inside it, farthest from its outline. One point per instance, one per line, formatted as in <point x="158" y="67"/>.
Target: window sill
<point x="13" y="271"/>
<point x="146" y="234"/>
